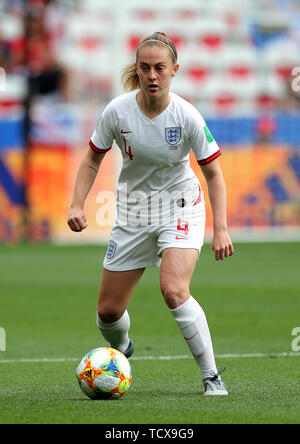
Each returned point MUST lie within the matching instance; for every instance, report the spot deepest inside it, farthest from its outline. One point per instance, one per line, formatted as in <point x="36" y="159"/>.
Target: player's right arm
<point x="85" y="178"/>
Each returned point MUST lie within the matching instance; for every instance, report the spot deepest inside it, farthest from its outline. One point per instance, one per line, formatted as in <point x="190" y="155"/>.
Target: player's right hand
<point x="77" y="220"/>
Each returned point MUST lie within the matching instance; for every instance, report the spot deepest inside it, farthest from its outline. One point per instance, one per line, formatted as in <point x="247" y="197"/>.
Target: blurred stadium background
<point x="61" y="63"/>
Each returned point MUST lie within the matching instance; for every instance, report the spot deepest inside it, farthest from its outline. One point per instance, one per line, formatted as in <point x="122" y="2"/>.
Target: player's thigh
<point x="115" y="292"/>
<point x="176" y="271"/>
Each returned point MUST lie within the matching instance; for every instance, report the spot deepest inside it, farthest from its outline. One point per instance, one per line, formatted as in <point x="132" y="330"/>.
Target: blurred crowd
<point x="62" y="61"/>
<point x="29" y="32"/>
<point x="32" y="34"/>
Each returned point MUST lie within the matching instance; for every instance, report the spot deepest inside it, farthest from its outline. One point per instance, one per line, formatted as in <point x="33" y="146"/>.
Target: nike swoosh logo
<point x="178" y="237"/>
<point x="188" y="339"/>
<point x="126" y="132"/>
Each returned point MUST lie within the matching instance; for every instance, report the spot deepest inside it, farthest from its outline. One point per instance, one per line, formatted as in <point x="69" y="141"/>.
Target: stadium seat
<point x="211" y="34"/>
<point x="185" y="15"/>
<point x="144" y="15"/>
<point x="133" y="41"/>
<point x="198" y="73"/>
<point x="239" y="61"/>
<point x="270" y="91"/>
<point x="95" y="7"/>
<point x="86" y="34"/>
<point x="280" y="58"/>
<point x="183" y="88"/>
<point x="179" y="38"/>
<point x="198" y="67"/>
<point x="14" y="92"/>
<point x="226" y="96"/>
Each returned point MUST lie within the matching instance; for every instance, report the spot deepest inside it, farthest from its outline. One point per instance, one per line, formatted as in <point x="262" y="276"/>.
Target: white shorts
<point x="131" y="247"/>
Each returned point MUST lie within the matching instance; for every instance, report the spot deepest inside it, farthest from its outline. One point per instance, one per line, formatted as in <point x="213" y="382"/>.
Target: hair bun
<point x="162" y="33"/>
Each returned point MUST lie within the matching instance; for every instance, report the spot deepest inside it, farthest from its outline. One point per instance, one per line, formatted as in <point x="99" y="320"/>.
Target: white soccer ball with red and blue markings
<point x="104" y="373"/>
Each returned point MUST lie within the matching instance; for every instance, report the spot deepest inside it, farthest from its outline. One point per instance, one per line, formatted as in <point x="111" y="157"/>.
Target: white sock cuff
<point x="107" y="325"/>
<point x="187" y="312"/>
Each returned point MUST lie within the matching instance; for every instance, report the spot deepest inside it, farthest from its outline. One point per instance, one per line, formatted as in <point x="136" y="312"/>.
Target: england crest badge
<point x="173" y="135"/>
<point x="112" y="246"/>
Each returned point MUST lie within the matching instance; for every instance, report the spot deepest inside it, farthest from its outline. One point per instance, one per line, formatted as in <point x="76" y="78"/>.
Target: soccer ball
<point x="104" y="373"/>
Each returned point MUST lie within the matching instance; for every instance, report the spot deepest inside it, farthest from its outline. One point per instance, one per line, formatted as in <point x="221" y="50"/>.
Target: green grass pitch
<point x="48" y="310"/>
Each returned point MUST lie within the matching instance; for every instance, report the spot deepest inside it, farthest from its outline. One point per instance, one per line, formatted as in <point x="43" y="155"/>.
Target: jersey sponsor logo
<point x="111" y="249"/>
<point x="173" y="135"/>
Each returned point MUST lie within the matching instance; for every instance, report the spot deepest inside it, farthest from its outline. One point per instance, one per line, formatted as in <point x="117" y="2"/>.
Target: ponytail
<point x="130" y="79"/>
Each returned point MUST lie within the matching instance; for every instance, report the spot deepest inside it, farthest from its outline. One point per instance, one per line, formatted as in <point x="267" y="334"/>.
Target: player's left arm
<point x="221" y="243"/>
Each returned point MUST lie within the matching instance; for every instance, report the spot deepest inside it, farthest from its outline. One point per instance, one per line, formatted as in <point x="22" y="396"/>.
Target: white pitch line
<point x="156" y="358"/>
<point x="259" y="355"/>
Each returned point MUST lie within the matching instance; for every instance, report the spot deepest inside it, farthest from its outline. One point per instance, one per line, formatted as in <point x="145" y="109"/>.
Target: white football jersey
<point x="155" y="151"/>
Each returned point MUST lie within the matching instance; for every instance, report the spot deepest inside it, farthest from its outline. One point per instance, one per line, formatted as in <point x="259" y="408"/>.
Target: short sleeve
<point x="103" y="136"/>
<point x="201" y="140"/>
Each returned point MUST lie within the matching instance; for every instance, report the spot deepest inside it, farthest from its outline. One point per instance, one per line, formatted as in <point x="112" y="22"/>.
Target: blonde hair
<point x="130" y="79"/>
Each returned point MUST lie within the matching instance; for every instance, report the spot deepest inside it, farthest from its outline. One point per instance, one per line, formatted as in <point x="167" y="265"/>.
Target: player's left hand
<point x="222" y="245"/>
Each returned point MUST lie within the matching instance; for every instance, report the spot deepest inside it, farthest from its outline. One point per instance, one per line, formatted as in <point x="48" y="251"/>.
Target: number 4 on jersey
<point x="128" y="151"/>
<point x="184" y="228"/>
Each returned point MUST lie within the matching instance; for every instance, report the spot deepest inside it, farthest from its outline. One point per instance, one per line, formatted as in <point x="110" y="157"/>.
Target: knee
<point x="107" y="313"/>
<point x="174" y="295"/>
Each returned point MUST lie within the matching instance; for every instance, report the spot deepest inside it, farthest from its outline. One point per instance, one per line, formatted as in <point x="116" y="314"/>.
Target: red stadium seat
<point x="198" y="73"/>
<point x="212" y="41"/>
<point x="91" y="43"/>
<point x="239" y="62"/>
<point x="226" y="96"/>
<point x="212" y="34"/>
<point x="266" y="101"/>
<point x="240" y="71"/>
<point x="178" y="40"/>
<point x="270" y="92"/>
<point x="284" y="71"/>
<point x="198" y="68"/>
<point x="279" y="60"/>
<point x="145" y="15"/>
<point x="86" y="36"/>
<point x="185" y="15"/>
<point x="226" y="102"/>
<point x="133" y="42"/>
<point x="232" y="19"/>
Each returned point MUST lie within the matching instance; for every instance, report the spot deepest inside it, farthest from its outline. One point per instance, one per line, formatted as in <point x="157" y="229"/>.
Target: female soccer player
<point x="160" y="217"/>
